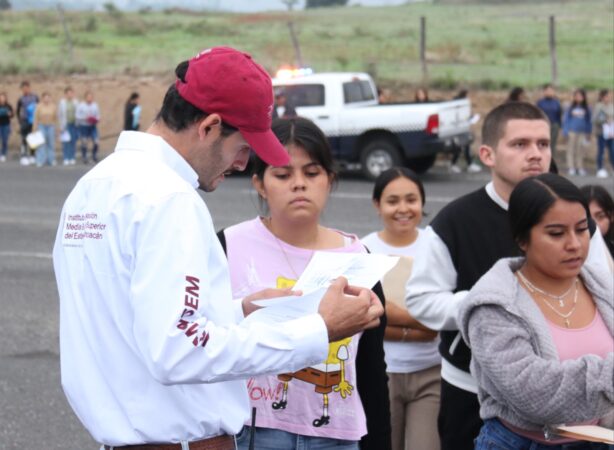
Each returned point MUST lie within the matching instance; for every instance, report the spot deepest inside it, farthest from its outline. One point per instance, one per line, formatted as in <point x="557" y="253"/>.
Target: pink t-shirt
<point x="296" y="402"/>
<point x="572" y="343"/>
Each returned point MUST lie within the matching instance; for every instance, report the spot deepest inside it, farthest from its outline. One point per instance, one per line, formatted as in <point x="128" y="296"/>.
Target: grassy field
<point x="487" y="46"/>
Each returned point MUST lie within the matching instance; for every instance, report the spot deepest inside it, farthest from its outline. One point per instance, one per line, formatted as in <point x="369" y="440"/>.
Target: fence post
<point x="66" y="32"/>
<point x="295" y="44"/>
<point x="423" y="49"/>
<point x="553" y="64"/>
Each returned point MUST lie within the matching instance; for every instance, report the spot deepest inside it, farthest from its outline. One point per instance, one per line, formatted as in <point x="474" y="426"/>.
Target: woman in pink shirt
<point x="342" y="402"/>
<point x="540" y="326"/>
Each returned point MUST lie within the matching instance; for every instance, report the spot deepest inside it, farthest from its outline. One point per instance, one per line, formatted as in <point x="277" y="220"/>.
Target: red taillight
<point x="432" y="124"/>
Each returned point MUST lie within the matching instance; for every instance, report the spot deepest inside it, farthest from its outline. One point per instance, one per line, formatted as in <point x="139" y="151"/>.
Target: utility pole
<point x="425" y="74"/>
<point x="295" y="44"/>
<point x="66" y="32"/>
<point x="553" y="62"/>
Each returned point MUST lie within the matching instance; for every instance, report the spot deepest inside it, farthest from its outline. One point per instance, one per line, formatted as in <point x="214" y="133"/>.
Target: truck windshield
<point x="357" y="91"/>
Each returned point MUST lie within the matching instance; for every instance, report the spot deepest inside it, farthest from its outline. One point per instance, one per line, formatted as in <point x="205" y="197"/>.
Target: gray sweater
<point x="515" y="361"/>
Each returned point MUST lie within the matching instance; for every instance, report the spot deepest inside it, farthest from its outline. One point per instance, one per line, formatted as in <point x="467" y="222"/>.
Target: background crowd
<point x="70" y="121"/>
<point x="586" y="130"/>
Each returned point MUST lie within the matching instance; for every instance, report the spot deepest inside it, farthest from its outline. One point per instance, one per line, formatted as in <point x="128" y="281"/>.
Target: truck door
<point x="454" y="118"/>
<point x="309" y="100"/>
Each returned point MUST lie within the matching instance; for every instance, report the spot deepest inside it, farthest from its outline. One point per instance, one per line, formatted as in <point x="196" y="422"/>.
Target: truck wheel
<point x="378" y="156"/>
<point x="422" y="164"/>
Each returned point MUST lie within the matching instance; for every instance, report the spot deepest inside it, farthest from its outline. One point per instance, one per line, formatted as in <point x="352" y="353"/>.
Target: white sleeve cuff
<point x="237" y="306"/>
<point x="310" y="337"/>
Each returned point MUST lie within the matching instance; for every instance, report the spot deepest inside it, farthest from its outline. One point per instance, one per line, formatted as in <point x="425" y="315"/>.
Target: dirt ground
<point x="111" y="93"/>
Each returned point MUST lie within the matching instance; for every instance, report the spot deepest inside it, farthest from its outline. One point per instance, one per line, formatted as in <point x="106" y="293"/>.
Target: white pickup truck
<point x="370" y="136"/>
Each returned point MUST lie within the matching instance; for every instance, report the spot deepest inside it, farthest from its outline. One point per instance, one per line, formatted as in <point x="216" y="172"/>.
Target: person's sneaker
<point x="65" y="162"/>
<point x="32" y="160"/>
<point x="602" y="173"/>
<point x="72" y="162"/>
<point x="571" y="172"/>
<point x="455" y="169"/>
<point x="2" y="158"/>
<point x="474" y="168"/>
<point x="582" y="172"/>
<point x="24" y="161"/>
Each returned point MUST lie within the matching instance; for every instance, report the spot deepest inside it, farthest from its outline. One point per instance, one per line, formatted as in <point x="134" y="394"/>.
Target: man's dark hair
<point x="24" y="83"/>
<point x="534" y="196"/>
<point x="496" y="120"/>
<point x="177" y="113"/>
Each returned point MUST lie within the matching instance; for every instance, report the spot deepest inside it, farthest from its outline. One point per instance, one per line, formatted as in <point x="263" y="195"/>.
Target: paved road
<point x="33" y="410"/>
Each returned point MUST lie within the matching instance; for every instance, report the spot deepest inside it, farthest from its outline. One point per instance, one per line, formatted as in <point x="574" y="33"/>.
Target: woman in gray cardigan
<point x="540" y="327"/>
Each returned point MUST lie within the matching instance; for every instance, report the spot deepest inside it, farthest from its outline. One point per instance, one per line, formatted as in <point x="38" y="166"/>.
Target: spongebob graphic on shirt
<point x="326" y="377"/>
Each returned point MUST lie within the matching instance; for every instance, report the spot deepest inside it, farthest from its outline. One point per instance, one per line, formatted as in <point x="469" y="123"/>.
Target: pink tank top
<point x="572" y="343"/>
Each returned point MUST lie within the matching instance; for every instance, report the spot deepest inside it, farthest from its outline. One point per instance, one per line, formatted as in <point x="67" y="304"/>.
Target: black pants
<point x="25" y="128"/>
<point x="459" y="420"/>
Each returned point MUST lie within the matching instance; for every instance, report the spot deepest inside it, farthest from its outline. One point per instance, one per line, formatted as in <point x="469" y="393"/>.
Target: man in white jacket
<point x="151" y="349"/>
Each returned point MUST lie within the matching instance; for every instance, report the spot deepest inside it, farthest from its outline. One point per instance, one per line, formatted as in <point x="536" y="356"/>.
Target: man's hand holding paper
<point x="338" y="287"/>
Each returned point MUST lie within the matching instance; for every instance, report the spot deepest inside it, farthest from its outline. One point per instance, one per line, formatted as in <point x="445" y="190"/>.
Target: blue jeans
<point x="5" y="132"/>
<point x="88" y="132"/>
<point x="270" y="439"/>
<point x="45" y="154"/>
<point x="496" y="436"/>
<point x="602" y="144"/>
<point x="69" y="148"/>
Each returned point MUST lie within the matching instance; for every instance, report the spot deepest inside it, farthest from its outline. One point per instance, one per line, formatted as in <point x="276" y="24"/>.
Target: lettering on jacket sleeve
<point x="190" y="303"/>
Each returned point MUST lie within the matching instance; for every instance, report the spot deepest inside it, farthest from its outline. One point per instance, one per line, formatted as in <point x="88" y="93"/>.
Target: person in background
<point x="342" y="402"/>
<point x="472" y="167"/>
<point x="132" y="113"/>
<point x="601" y="206"/>
<point x="551" y="106"/>
<point x="412" y="359"/>
<point x="577" y="127"/>
<point x="88" y="116"/>
<point x="603" y="122"/>
<point x="517" y="94"/>
<point x="283" y="107"/>
<point x="6" y="114"/>
<point x="421" y="95"/>
<point x="541" y="326"/>
<point x="383" y="95"/>
<point x="67" y="116"/>
<point x="466" y="238"/>
<point x="26" y="105"/>
<point x="45" y="120"/>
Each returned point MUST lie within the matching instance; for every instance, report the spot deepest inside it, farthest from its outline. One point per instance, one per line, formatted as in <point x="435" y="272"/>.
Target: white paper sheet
<point x="360" y="269"/>
<point x="363" y="270"/>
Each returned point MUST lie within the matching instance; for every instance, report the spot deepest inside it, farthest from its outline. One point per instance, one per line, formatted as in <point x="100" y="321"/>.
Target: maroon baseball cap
<point x="230" y="83"/>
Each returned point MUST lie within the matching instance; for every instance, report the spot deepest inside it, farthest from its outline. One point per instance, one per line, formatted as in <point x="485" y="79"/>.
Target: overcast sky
<point x="224" y="5"/>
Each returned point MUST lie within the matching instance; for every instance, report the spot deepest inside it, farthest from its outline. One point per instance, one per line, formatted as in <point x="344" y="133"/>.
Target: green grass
<point x="488" y="46"/>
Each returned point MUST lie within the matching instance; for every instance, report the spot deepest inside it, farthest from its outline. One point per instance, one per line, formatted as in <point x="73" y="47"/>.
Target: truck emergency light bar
<point x="286" y="73"/>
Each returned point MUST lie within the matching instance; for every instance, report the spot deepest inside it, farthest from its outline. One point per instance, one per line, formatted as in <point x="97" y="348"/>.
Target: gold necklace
<point x="279" y="244"/>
